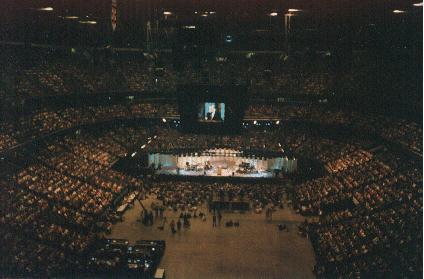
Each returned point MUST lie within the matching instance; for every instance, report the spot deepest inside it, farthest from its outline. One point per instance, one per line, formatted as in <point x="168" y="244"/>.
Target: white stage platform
<point x="221" y="163"/>
<point x="213" y="172"/>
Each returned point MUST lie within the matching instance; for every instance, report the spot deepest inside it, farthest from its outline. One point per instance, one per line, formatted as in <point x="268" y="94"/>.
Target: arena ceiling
<point x="253" y="8"/>
<point x="90" y="20"/>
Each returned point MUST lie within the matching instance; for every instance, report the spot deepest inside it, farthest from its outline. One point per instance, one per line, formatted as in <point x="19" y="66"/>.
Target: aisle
<point x="256" y="249"/>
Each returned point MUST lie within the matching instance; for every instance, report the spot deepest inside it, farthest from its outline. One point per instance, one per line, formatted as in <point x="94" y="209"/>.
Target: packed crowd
<point x="272" y="83"/>
<point x="44" y="122"/>
<point x="265" y="75"/>
<point x="179" y="195"/>
<point x="65" y="187"/>
<point x="265" y="111"/>
<point x="400" y="131"/>
<point x="406" y="134"/>
<point x="49" y="76"/>
<point x="56" y="199"/>
<point x="370" y="218"/>
<point x="36" y="234"/>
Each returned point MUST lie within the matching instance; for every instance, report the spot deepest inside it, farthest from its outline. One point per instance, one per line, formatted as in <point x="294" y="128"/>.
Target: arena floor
<point x="256" y="249"/>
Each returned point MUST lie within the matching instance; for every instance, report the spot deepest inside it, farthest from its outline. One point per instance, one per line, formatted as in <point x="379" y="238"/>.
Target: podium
<point x="219" y="171"/>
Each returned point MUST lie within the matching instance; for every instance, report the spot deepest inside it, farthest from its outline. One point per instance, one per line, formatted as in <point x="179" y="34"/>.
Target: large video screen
<point x="211" y="112"/>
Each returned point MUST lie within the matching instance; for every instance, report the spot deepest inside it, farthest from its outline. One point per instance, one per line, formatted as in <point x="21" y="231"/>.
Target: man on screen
<point x="210" y="111"/>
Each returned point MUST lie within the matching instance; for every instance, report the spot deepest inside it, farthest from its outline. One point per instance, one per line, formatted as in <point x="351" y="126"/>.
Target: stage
<point x="221" y="163"/>
<point x="213" y="172"/>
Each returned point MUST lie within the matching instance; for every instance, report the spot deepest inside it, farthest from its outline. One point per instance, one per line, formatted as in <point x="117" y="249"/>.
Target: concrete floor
<point x="256" y="249"/>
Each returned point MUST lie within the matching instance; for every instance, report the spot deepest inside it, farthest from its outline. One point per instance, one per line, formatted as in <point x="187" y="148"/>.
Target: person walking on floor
<point x="161" y="209"/>
<point x="219" y="218"/>
<point x="151" y="218"/>
<point x="268" y="214"/>
<point x="214" y="220"/>
<point x="172" y="225"/>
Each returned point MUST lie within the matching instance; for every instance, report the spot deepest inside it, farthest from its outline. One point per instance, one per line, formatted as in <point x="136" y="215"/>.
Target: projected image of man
<point x="210" y="108"/>
<point x="211" y="112"/>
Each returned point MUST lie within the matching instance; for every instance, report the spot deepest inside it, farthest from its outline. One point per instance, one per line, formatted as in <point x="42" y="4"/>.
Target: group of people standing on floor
<point x="147" y="216"/>
<point x="183" y="221"/>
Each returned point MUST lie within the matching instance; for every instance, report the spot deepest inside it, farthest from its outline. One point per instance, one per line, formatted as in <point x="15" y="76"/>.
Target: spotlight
<point x="46" y="9"/>
<point x="90" y="22"/>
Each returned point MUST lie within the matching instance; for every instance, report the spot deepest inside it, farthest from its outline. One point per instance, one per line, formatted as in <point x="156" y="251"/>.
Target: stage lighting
<point x="228" y="39"/>
<point x="89" y="22"/>
<point x="46" y="9"/>
<point x="69" y="17"/>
